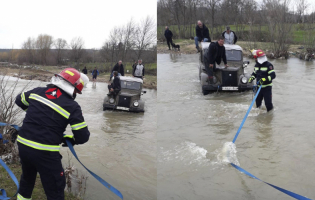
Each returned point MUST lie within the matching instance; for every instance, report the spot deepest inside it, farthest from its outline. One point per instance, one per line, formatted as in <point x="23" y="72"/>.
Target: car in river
<point x="232" y="78"/>
<point x="129" y="97"/>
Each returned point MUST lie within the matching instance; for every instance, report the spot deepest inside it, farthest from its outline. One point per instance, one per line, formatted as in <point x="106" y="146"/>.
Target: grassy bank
<point x="44" y="73"/>
<point x="38" y="192"/>
<point x="300" y="32"/>
<point x="188" y="47"/>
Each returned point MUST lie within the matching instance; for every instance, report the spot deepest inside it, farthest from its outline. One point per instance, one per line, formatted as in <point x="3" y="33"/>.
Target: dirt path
<point x="44" y="73"/>
<point x="188" y="47"/>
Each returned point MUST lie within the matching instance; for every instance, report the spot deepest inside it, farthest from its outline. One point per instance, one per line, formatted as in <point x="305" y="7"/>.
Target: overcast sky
<point x="90" y="19"/>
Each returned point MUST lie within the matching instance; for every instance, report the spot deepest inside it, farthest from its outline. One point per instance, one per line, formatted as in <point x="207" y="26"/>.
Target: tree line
<point x="128" y="43"/>
<point x="267" y="21"/>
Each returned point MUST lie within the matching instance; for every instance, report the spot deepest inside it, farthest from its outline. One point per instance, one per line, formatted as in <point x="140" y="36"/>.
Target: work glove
<point x="251" y="79"/>
<point x="69" y="138"/>
<point x="262" y="81"/>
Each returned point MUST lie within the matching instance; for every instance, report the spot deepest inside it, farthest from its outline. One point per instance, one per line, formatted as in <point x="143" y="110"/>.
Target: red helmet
<point x="73" y="77"/>
<point x="259" y="53"/>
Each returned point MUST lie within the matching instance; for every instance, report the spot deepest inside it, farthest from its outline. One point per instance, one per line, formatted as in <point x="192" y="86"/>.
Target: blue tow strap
<point x="292" y="194"/>
<point x="103" y="182"/>
<point x="111" y="188"/>
<point x="3" y="195"/>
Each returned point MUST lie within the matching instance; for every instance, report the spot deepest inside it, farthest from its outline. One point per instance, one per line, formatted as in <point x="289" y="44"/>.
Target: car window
<point x="130" y="85"/>
<point x="233" y="55"/>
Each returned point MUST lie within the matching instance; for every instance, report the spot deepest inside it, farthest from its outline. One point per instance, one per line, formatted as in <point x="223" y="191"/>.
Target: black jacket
<point x="49" y="110"/>
<point x="235" y="37"/>
<point x="202" y="33"/>
<point x="168" y="33"/>
<point x="265" y="70"/>
<point x="119" y="69"/>
<point x="116" y="84"/>
<point x="216" y="53"/>
<point x="84" y="71"/>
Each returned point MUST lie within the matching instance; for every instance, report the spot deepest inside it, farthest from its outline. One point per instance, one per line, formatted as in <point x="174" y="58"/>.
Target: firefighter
<point x="49" y="110"/>
<point x="264" y="73"/>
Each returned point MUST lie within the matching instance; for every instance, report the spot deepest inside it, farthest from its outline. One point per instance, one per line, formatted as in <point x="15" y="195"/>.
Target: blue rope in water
<point x="292" y="194"/>
<point x="103" y="182"/>
<point x="250" y="107"/>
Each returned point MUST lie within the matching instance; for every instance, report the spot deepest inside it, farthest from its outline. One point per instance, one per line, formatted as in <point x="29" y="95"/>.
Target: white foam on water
<point x="227" y="154"/>
<point x="187" y="152"/>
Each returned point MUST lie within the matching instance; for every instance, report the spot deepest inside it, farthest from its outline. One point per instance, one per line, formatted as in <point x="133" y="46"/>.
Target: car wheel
<point x="205" y="92"/>
<point x="104" y="108"/>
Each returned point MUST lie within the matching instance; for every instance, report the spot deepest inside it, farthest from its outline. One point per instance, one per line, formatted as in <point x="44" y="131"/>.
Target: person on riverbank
<point x="216" y="53"/>
<point x="230" y="36"/>
<point x="138" y="71"/>
<point x="202" y="34"/>
<point x="49" y="110"/>
<point x="168" y="35"/>
<point x="119" y="67"/>
<point x="115" y="86"/>
<point x="95" y="72"/>
<point x="84" y="70"/>
<point x="264" y="73"/>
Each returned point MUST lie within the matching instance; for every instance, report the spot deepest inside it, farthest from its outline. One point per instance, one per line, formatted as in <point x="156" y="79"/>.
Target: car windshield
<point x="130" y="85"/>
<point x="233" y="55"/>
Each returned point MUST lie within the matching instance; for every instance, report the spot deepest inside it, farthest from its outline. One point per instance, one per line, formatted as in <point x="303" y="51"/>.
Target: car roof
<point x="205" y="45"/>
<point x="129" y="78"/>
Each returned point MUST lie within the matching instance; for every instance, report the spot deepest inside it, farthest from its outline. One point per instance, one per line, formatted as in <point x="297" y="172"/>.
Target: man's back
<point x="49" y="111"/>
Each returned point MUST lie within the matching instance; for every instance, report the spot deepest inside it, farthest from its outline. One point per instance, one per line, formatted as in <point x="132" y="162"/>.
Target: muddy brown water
<point x="121" y="148"/>
<point x="277" y="147"/>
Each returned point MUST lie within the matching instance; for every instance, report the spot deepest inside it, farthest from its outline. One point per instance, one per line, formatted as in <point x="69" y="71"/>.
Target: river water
<point x="277" y="147"/>
<point x="121" y="148"/>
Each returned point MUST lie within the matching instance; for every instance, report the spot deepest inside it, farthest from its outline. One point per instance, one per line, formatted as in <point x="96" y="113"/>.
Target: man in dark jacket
<point x="264" y="73"/>
<point x="95" y="72"/>
<point x="119" y="67"/>
<point x="216" y="53"/>
<point x="49" y="110"/>
<point x="230" y="36"/>
<point x="168" y="35"/>
<point x="202" y="33"/>
<point x="114" y="87"/>
<point x="84" y="70"/>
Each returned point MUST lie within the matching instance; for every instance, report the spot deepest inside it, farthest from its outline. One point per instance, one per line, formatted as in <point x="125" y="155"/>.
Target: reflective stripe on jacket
<point x="49" y="111"/>
<point x="265" y="70"/>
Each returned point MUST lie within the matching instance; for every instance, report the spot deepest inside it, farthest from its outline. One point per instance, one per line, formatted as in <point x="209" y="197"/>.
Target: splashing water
<point x="228" y="154"/>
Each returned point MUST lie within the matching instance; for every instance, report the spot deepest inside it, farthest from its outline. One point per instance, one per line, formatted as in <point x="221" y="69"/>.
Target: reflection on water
<point x="195" y="131"/>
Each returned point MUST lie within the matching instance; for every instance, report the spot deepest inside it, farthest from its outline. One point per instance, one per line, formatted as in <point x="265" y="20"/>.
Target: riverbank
<point x="38" y="192"/>
<point x="44" y="73"/>
<point x="187" y="46"/>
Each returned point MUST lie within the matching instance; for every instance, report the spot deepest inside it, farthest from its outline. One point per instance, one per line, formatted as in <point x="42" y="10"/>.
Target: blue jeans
<point x="197" y="39"/>
<point x="112" y="74"/>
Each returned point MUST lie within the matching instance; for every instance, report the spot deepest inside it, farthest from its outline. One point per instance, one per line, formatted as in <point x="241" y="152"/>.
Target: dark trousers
<point x="48" y="165"/>
<point x="169" y="42"/>
<point x="112" y="93"/>
<point x="266" y="94"/>
<point x="209" y="69"/>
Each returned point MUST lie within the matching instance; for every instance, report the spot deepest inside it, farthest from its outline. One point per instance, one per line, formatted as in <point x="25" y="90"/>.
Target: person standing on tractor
<point x="264" y="73"/>
<point x="49" y="110"/>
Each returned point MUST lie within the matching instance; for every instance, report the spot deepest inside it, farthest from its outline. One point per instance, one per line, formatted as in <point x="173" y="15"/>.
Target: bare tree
<point x="60" y="46"/>
<point x="280" y="30"/>
<point x="145" y="35"/>
<point x="43" y="44"/>
<point x="301" y="8"/>
<point x="28" y="50"/>
<point x="77" y="48"/>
